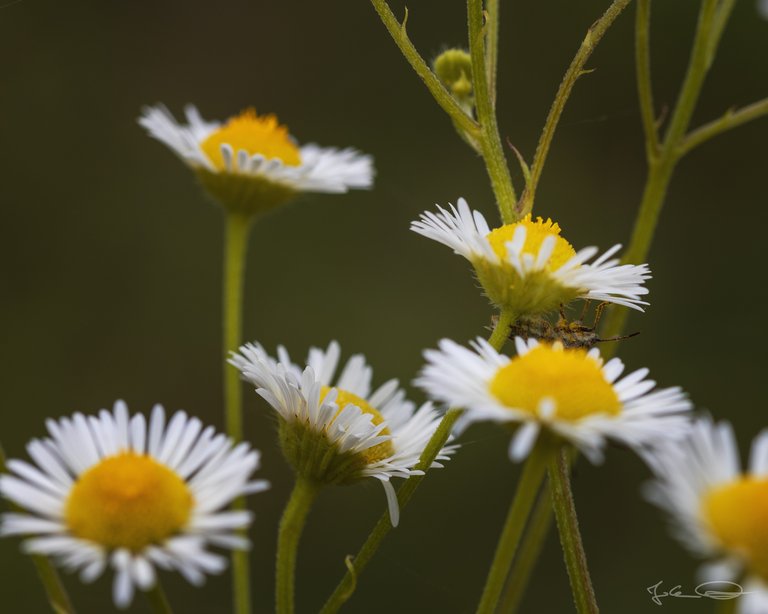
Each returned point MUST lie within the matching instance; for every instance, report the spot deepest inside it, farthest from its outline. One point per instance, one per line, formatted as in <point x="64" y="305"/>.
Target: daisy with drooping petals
<point x="251" y="163"/>
<point x="527" y="268"/>
<point x="337" y="430"/>
<point x="570" y="393"/>
<point x="117" y="491"/>
<point x="717" y="510"/>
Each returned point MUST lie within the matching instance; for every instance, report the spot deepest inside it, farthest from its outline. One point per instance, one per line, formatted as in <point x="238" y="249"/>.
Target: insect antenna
<point x="617" y="338"/>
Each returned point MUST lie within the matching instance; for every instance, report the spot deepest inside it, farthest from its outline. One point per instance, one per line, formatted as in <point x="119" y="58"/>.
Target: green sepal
<point x="314" y="457"/>
<point x="250" y="195"/>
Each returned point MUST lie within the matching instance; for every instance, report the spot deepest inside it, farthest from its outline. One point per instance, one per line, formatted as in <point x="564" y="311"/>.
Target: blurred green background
<point x="110" y="258"/>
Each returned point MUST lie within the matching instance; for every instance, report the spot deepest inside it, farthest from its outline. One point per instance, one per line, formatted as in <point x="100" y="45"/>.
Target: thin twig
<point x="644" y="83"/>
<point x="575" y="70"/>
<point x="731" y="119"/>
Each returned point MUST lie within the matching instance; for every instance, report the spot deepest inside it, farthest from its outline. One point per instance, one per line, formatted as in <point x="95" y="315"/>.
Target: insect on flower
<point x="572" y="334"/>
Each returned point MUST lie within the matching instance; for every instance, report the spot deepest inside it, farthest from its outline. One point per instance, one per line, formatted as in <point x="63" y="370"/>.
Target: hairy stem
<point x="492" y="50"/>
<point x="731" y="119"/>
<point x="237" y="228"/>
<point x="575" y="70"/>
<point x="528" y="552"/>
<point x="291" y="526"/>
<point x="643" y="75"/>
<point x="527" y="487"/>
<point x="490" y="142"/>
<point x="570" y="537"/>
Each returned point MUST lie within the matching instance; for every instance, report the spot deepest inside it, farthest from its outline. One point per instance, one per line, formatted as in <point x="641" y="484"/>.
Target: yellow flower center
<point x="256" y="135"/>
<point x="738" y="515"/>
<point x="128" y="501"/>
<point x="535" y="233"/>
<point x="573" y="380"/>
<point x="378" y="452"/>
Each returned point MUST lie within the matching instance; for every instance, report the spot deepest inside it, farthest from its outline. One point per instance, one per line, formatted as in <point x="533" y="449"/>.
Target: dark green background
<point x="111" y="258"/>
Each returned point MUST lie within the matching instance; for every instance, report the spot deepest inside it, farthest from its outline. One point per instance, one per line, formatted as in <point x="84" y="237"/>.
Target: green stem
<point x="575" y="70"/>
<point x="157" y="599"/>
<point x="731" y="119"/>
<point x="235" y="245"/>
<point x="698" y="66"/>
<point x="527" y="487"/>
<point x="643" y="75"/>
<point x="291" y="526"/>
<point x="721" y="20"/>
<point x="528" y="553"/>
<point x="492" y="51"/>
<point x="237" y="227"/>
<point x="660" y="168"/>
<point x="489" y="139"/>
<point x="355" y="567"/>
<point x="570" y="537"/>
<point x="500" y="332"/>
<point x="57" y="595"/>
<point x="442" y="96"/>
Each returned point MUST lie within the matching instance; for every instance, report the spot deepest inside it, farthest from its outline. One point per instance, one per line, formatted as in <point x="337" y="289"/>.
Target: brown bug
<point x="572" y="334"/>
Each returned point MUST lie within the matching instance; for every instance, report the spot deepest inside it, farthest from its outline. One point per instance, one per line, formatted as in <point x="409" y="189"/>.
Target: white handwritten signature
<point x="718" y="589"/>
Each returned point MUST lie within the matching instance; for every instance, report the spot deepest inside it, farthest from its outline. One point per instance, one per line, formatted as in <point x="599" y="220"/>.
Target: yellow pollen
<point x="378" y="452"/>
<point x="737" y="514"/>
<point x="256" y="135"/>
<point x="574" y="381"/>
<point x="535" y="234"/>
<point x="128" y="501"/>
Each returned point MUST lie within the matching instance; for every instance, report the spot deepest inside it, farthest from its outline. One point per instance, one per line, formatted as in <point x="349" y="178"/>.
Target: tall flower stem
<point x="346" y="587"/>
<point x="291" y="526"/>
<point x="49" y="577"/>
<point x="237" y="227"/>
<point x="527" y="487"/>
<point x="157" y="600"/>
<point x="570" y="537"/>
<point x="528" y="553"/>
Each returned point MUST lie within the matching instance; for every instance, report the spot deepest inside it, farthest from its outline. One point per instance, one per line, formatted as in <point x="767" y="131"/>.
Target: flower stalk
<point x="291" y="527"/>
<point x="237" y="229"/>
<point x="158" y="600"/>
<point x="570" y="537"/>
<point x="483" y="51"/>
<point x="528" y="486"/>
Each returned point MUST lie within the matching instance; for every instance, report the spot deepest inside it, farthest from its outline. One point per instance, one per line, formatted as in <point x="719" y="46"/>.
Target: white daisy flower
<point x="117" y="491"/>
<point x="717" y="510"/>
<point x="251" y="163"/>
<point x="337" y="430"/>
<point x="528" y="268"/>
<point x="568" y="392"/>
